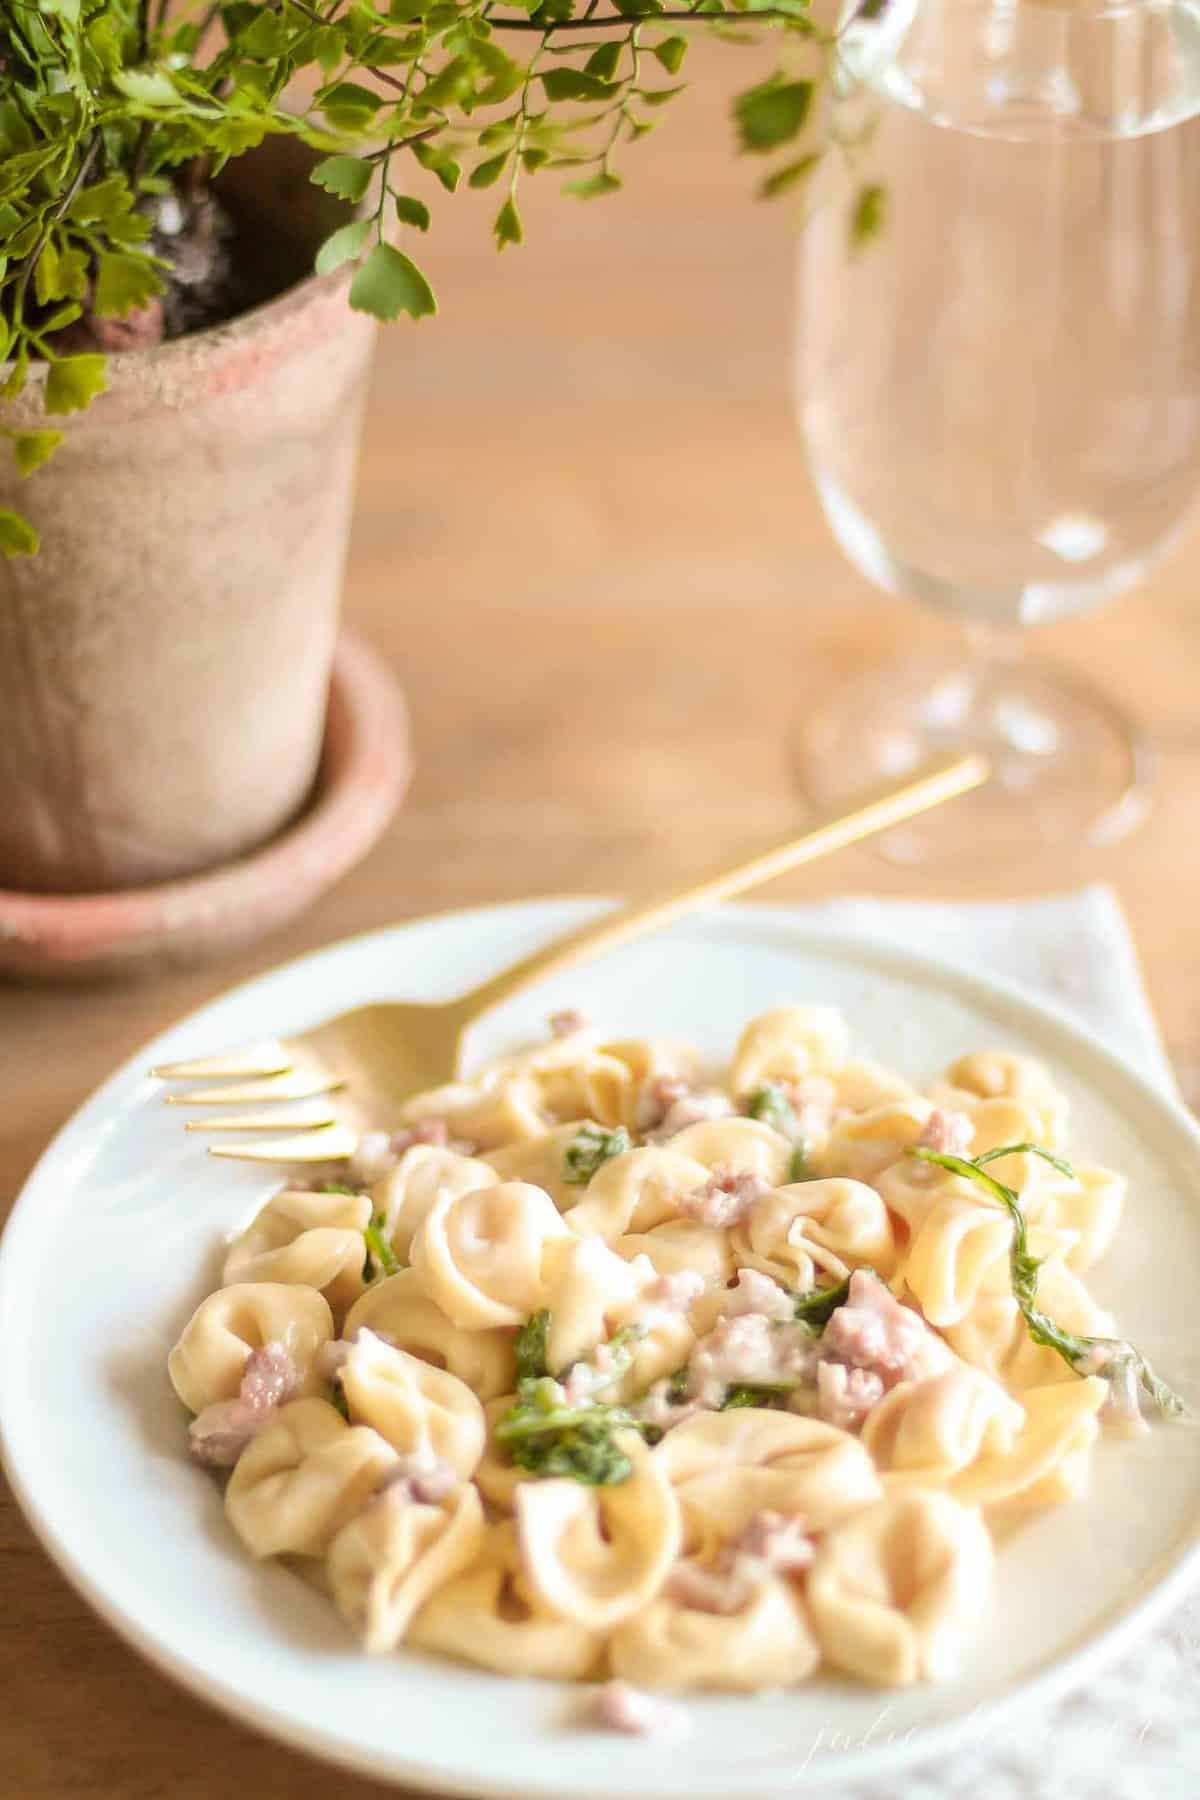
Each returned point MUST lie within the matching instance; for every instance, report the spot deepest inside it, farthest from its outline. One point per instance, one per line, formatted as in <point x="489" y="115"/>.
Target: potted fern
<point x="204" y="209"/>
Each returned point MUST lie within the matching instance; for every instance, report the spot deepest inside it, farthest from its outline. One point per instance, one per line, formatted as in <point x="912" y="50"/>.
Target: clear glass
<point x="1000" y="392"/>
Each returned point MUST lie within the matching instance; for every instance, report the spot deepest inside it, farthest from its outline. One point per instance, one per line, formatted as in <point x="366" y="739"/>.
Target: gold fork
<point x="353" y="1072"/>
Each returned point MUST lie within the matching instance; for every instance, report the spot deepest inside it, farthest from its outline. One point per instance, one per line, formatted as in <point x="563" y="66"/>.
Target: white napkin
<point x="1134" y="1733"/>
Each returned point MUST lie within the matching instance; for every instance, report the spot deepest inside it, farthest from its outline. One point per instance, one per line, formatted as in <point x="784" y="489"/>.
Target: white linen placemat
<point x="1134" y="1733"/>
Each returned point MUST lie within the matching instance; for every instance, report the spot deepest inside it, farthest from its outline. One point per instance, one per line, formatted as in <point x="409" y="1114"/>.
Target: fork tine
<point x="312" y="1120"/>
<point x="332" y="1143"/>
<point x="295" y="1084"/>
<point x="268" y="1058"/>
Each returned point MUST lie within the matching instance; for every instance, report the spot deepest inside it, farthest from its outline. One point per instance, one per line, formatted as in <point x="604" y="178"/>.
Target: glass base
<point x="1069" y="770"/>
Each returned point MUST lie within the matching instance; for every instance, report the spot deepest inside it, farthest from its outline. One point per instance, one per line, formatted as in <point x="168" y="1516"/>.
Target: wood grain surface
<point x="587" y="544"/>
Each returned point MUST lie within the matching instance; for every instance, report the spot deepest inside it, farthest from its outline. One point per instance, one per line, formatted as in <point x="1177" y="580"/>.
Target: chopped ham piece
<point x="753" y="1351"/>
<point x="420" y="1476"/>
<point x="949" y="1133"/>
<point x="778" y="1541"/>
<point x="619" y="1707"/>
<point x="656" y="1100"/>
<point x="586" y="1378"/>
<point x="845" y="1396"/>
<point x="674" y="1293"/>
<point x="723" y="1198"/>
<point x="873" y="1331"/>
<point x="757" y="1293"/>
<point x="690" y="1109"/>
<point x="220" y="1433"/>
<point x="567" y="1022"/>
<point x="771" y="1544"/>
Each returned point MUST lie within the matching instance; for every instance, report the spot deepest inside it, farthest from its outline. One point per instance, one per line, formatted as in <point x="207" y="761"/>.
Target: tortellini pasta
<point x="995" y="1074"/>
<point x="727" y="1467"/>
<point x="635" y="1192"/>
<point x="683" y="1244"/>
<point x="479" y="1256"/>
<point x="700" y="1381"/>
<point x="419" y="1410"/>
<point x="490" y="1615"/>
<point x="587" y="1289"/>
<point x="386" y="1562"/>
<point x="405" y="1195"/>
<point x="894" y="1590"/>
<point x="207" y="1363"/>
<point x="303" y="1478"/>
<point x="305" y="1240"/>
<point x="399" y="1310"/>
<point x="813" y="1233"/>
<point x="744" y="1145"/>
<point x="786" y="1044"/>
<point x="542" y="1162"/>
<point x="925" y="1433"/>
<point x="766" y="1643"/>
<point x="497" y="1110"/>
<point x="596" y="1556"/>
<point x="862" y="1145"/>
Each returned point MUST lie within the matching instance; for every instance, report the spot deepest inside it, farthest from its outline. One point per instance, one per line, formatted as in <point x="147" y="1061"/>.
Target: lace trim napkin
<point x="1134" y="1733"/>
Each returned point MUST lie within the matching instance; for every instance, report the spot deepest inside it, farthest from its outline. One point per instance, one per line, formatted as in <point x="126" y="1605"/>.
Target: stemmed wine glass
<point x="1000" y="390"/>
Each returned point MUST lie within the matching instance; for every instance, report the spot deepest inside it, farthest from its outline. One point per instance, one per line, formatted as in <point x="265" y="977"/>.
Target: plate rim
<point x="1099" y="1645"/>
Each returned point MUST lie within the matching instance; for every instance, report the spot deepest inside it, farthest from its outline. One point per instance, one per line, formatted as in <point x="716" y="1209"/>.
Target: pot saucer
<point x="366" y="764"/>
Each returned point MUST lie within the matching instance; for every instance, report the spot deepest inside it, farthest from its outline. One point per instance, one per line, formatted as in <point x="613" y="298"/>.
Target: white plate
<point x="115" y="1239"/>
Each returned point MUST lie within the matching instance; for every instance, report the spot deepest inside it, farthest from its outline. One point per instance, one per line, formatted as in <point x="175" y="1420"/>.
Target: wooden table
<point x="586" y="542"/>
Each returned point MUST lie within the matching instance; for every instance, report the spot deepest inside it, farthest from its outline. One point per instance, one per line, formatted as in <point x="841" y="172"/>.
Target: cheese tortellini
<point x="894" y="1590"/>
<point x="208" y="1362"/>
<point x="618" y="1363"/>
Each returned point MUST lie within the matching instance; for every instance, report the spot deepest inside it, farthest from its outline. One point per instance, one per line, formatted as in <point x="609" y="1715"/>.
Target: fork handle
<point x="940" y="779"/>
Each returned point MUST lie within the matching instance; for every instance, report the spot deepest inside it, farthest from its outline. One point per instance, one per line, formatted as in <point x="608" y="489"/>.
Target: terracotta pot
<point x="164" y="661"/>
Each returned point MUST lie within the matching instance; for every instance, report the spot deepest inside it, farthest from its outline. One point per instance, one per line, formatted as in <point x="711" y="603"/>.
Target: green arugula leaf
<point x="548" y="1438"/>
<point x="380" y="1255"/>
<point x="1118" y="1362"/>
<point x="679" y="1385"/>
<point x="736" y="1397"/>
<point x="770" y="1105"/>
<point x="390" y="283"/>
<point x="798" y="1168"/>
<point x="818" y="1307"/>
<point x="530" y="1347"/>
<point x="592" y="1146"/>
